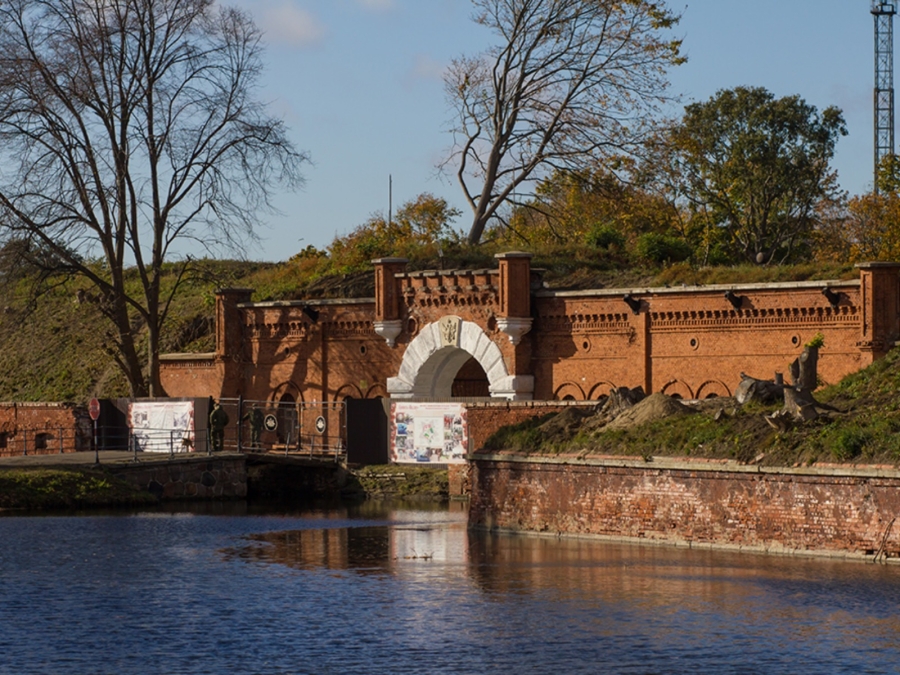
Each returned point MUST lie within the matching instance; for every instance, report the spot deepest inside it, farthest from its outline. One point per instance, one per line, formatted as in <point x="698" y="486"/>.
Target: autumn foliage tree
<point x="590" y="207"/>
<point x="128" y="127"/>
<point x="755" y="169"/>
<point x="420" y="227"/>
<point x="566" y="84"/>
<point x="865" y="227"/>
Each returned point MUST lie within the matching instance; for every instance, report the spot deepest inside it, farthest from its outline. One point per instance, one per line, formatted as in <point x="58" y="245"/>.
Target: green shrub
<point x="817" y="341"/>
<point x="849" y="443"/>
<point x="662" y="248"/>
<point x="605" y="237"/>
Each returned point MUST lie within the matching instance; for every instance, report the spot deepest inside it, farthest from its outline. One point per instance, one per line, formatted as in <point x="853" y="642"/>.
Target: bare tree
<point x="128" y="127"/>
<point x="565" y="86"/>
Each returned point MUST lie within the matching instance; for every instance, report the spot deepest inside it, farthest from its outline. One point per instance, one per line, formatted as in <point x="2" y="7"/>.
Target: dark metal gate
<point x="366" y="431"/>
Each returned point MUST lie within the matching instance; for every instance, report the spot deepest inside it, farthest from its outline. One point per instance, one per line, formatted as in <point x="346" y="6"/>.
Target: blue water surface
<point x="393" y="590"/>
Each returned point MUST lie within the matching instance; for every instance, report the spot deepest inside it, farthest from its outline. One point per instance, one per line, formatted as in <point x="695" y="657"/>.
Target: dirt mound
<point x="566" y="423"/>
<point x="654" y="407"/>
<point x="711" y="406"/>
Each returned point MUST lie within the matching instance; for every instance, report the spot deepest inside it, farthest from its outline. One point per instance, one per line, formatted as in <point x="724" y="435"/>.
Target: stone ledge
<point x="705" y="465"/>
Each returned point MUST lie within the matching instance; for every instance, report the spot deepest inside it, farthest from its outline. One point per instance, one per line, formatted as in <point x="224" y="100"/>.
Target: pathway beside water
<point x="218" y="588"/>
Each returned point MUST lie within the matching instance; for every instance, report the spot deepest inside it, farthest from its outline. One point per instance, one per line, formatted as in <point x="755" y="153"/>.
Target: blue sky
<point x="359" y="84"/>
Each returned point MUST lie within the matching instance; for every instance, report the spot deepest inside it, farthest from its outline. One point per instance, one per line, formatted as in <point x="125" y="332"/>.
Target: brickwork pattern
<point x="693" y="342"/>
<point x="43" y="429"/>
<point x="840" y="512"/>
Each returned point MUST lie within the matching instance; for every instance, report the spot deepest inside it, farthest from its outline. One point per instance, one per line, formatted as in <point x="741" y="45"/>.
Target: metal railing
<point x="38" y="442"/>
<point x="291" y="428"/>
<point x="315" y="430"/>
<point x="24" y="442"/>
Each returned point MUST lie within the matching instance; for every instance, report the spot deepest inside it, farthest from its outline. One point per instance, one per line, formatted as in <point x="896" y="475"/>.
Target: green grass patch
<point x="65" y="488"/>
<point x="402" y="481"/>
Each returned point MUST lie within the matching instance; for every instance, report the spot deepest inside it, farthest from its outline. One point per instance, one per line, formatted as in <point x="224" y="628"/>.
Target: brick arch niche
<point x="713" y="389"/>
<point x="433" y="359"/>
<point x="568" y="391"/>
<point x="678" y="389"/>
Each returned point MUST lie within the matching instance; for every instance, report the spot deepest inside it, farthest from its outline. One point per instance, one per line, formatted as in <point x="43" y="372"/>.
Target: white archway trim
<point x="431" y="362"/>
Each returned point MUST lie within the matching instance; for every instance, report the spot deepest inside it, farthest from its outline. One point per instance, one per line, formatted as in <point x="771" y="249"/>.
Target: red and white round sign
<point x="94" y="409"/>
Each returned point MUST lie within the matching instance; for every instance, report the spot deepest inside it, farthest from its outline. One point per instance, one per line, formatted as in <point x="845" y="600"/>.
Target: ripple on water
<point x="414" y="592"/>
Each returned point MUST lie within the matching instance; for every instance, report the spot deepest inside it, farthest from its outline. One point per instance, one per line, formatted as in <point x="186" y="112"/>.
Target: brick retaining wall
<point x="831" y="511"/>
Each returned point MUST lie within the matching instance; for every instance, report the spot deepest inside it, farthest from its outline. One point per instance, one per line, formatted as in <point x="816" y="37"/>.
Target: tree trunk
<point x="804" y="369"/>
<point x="798" y="399"/>
<point x="153" y="384"/>
<point x="477" y="229"/>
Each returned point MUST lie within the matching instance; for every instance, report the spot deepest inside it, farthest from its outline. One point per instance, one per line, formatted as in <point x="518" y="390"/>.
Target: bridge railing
<point x="314" y="429"/>
<point x="62" y="440"/>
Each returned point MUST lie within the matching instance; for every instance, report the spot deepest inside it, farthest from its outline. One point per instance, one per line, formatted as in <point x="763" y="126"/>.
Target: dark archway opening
<point x="470" y="381"/>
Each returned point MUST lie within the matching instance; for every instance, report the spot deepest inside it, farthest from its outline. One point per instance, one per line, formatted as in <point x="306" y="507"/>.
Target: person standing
<point x="255" y="417"/>
<point x="218" y="420"/>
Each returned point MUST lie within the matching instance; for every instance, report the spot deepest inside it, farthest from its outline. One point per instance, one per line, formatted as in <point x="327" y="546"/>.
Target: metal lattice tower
<point x="884" y="80"/>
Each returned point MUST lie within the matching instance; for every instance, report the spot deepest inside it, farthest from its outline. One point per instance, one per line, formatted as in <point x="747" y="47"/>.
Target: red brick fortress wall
<point x="693" y="342"/>
<point x="840" y="512"/>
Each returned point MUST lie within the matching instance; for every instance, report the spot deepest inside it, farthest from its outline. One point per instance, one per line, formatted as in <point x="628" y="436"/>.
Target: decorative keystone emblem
<point x="449" y="328"/>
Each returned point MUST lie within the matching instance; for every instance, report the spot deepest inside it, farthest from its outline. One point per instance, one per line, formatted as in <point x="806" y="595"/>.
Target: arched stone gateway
<point x="432" y="360"/>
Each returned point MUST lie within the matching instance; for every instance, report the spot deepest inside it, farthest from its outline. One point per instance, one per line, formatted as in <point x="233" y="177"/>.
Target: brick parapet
<point x="829" y="510"/>
<point x="693" y="341"/>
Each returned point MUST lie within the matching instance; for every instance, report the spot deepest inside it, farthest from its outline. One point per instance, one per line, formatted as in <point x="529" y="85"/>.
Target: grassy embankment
<point x="401" y="481"/>
<point x="864" y="429"/>
<point x="35" y="488"/>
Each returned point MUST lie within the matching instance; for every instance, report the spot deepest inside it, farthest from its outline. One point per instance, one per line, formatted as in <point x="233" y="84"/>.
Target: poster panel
<point x="162" y="426"/>
<point x="434" y="433"/>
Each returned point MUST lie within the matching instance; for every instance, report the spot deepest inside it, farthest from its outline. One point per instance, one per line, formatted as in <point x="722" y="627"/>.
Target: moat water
<point x="374" y="589"/>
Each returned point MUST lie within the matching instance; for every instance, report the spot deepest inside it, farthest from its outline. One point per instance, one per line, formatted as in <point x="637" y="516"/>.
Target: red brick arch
<point x="569" y="389"/>
<point x="679" y="389"/>
<point x="600" y="389"/>
<point x="712" y="388"/>
<point x="348" y="391"/>
<point x="377" y="390"/>
<point x="286" y="388"/>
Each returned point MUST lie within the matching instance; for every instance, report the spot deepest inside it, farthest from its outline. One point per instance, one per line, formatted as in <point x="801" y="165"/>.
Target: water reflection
<point x="610" y="591"/>
<point x="374" y="589"/>
<point x="435" y="535"/>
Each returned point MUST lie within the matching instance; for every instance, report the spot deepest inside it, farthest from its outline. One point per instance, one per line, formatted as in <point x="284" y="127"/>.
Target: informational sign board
<point x="435" y="433"/>
<point x="162" y="426"/>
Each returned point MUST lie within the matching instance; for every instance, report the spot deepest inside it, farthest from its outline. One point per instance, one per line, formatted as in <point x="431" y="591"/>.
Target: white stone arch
<point x="432" y="360"/>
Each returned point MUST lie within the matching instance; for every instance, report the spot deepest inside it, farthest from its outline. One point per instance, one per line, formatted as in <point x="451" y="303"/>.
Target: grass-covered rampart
<point x="863" y="429"/>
